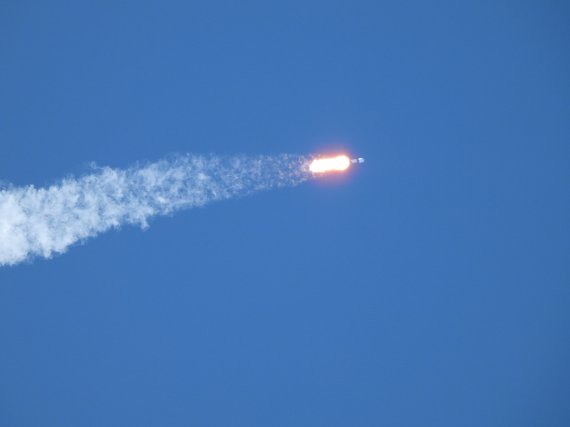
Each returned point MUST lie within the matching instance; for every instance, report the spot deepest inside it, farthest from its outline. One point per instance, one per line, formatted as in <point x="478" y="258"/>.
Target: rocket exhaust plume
<point x="46" y="221"/>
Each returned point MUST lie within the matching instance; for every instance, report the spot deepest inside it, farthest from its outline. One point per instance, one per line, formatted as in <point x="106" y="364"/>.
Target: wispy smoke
<point x="45" y="221"/>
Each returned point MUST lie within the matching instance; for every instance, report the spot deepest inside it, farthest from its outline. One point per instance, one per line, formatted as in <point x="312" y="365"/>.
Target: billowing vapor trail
<point x="46" y="221"/>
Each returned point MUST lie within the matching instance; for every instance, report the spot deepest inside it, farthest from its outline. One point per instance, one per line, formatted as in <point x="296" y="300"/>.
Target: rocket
<point x="333" y="164"/>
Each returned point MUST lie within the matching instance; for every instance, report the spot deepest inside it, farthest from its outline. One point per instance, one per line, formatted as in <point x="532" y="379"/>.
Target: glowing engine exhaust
<point x="333" y="164"/>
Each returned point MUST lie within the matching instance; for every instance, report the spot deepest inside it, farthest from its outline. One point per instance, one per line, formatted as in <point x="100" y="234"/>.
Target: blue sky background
<point x="429" y="287"/>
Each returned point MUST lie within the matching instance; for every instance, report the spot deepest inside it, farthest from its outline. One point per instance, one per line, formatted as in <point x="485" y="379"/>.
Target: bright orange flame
<point x="331" y="164"/>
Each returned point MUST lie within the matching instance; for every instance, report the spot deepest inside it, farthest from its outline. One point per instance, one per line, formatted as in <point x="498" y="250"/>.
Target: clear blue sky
<point x="431" y="287"/>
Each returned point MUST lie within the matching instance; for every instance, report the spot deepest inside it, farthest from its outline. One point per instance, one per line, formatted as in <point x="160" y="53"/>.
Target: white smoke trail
<point x="46" y="221"/>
